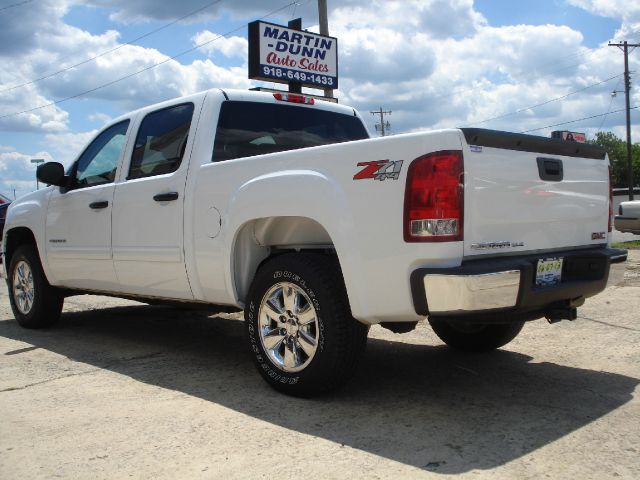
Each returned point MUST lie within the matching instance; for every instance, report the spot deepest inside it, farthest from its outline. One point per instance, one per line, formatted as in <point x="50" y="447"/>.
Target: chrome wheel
<point x="23" y="288"/>
<point x="288" y="326"/>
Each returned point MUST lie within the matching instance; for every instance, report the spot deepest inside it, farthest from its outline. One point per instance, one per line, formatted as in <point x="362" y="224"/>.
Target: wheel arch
<point x="16" y="237"/>
<point x="261" y="239"/>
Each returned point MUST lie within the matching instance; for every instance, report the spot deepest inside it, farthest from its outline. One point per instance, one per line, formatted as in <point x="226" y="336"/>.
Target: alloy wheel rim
<point x="288" y="327"/>
<point x="23" y="287"/>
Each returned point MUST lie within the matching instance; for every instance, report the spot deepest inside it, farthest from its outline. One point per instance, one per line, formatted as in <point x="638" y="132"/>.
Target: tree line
<point x="617" y="150"/>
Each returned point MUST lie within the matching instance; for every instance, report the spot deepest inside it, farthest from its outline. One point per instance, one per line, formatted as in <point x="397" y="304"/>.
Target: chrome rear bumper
<point x="509" y="283"/>
<point x="470" y="293"/>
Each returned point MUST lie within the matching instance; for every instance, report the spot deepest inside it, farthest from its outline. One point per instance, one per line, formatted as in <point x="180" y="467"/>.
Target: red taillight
<point x="293" y="98"/>
<point x="610" y="201"/>
<point x="434" y="198"/>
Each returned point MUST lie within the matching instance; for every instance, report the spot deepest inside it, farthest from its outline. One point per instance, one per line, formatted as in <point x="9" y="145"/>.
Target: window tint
<point x="248" y="128"/>
<point x="161" y="141"/>
<point x="99" y="161"/>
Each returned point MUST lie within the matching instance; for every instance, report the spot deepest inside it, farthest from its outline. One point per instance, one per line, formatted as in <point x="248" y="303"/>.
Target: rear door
<point x="526" y="193"/>
<point x="148" y="238"/>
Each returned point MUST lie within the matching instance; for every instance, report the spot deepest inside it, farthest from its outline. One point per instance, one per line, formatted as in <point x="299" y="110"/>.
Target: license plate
<point x="549" y="272"/>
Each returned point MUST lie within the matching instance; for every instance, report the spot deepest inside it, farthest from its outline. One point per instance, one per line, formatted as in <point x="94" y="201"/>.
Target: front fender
<point x="29" y="212"/>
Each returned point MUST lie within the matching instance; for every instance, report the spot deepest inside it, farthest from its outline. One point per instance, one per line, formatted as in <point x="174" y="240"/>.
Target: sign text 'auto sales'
<point x="281" y="54"/>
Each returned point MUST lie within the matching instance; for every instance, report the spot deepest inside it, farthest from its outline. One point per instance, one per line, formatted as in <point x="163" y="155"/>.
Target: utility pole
<point x="382" y="126"/>
<point x="324" y="30"/>
<point x="624" y="46"/>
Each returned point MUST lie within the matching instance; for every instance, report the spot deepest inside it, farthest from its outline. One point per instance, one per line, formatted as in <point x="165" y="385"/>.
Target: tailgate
<point x="525" y="193"/>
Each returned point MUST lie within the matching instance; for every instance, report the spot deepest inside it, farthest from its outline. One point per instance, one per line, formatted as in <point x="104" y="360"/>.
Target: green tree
<point x="617" y="150"/>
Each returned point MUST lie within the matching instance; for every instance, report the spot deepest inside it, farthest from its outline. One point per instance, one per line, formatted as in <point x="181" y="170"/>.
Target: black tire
<point x="470" y="337"/>
<point x="40" y="309"/>
<point x="307" y="280"/>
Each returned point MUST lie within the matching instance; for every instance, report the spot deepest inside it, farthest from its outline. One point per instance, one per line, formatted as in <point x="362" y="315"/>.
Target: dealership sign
<point x="569" y="136"/>
<point x="284" y="55"/>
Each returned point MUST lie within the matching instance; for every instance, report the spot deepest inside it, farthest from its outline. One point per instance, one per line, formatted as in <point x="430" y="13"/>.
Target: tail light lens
<point x="610" y="201"/>
<point x="434" y="198"/>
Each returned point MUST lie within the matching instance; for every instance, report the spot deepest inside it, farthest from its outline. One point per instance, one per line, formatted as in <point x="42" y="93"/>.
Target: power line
<point x="53" y="74"/>
<point x="196" y="47"/>
<point x="578" y="120"/>
<point x="588" y="53"/>
<point x="520" y="110"/>
<point x="15" y="5"/>
<point x="613" y="95"/>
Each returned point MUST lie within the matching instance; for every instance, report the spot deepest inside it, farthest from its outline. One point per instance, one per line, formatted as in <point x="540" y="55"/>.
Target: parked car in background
<point x="628" y="218"/>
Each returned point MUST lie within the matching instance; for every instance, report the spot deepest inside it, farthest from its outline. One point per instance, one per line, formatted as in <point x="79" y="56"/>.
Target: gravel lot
<point x="123" y="390"/>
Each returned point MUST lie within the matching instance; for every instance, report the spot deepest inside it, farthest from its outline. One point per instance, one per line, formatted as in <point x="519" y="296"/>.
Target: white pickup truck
<point x="284" y="207"/>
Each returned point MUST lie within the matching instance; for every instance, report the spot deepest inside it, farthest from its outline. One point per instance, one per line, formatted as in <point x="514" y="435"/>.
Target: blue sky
<point x="434" y="63"/>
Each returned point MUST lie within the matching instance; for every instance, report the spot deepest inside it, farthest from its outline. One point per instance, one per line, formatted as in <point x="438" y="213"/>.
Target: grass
<point x="634" y="244"/>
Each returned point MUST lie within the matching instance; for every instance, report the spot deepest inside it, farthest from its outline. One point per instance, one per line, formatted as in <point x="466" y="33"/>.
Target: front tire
<point x="470" y="337"/>
<point x="299" y="327"/>
<point x="34" y="302"/>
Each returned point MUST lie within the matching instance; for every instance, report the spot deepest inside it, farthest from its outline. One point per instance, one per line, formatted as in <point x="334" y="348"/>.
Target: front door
<point x="78" y="223"/>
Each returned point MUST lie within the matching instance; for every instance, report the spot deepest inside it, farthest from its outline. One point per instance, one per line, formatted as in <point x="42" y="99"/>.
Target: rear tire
<point x="471" y="337"/>
<point x="34" y="302"/>
<point x="299" y="326"/>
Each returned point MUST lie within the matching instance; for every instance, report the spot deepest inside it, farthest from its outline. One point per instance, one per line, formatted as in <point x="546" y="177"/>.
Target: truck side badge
<point x="379" y="170"/>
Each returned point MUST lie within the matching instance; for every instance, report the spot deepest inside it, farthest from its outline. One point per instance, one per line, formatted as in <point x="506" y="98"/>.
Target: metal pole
<point x="624" y="46"/>
<point x="295" y="87"/>
<point x="324" y="30"/>
<point x="627" y="88"/>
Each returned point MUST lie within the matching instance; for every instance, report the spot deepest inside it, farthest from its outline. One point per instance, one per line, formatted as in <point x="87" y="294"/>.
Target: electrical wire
<point x="524" y="109"/>
<point x="130" y="42"/>
<point x="613" y="95"/>
<point x="104" y="85"/>
<point x="7" y="7"/>
<point x="587" y="53"/>
<point x="579" y="119"/>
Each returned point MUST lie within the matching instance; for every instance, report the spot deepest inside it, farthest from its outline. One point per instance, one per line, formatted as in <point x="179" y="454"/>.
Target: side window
<point x="161" y="141"/>
<point x="98" y="163"/>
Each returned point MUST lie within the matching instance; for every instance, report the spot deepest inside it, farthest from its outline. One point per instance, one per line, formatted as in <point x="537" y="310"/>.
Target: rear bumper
<point x="508" y="284"/>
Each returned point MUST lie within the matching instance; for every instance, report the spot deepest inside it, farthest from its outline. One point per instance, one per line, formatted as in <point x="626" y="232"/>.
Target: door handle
<point x="550" y="169"/>
<point x="166" y="197"/>
<point x="99" y="205"/>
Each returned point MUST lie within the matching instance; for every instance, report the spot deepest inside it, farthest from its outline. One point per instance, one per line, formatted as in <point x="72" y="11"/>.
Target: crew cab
<point x="284" y="207"/>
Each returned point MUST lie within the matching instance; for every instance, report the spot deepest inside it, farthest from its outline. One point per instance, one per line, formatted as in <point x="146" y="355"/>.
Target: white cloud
<point x="229" y="47"/>
<point x="65" y="147"/>
<point x="628" y="11"/>
<point x="18" y="173"/>
<point x="101" y="118"/>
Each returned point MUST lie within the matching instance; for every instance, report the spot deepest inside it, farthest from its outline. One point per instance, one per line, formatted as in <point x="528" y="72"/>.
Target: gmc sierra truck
<point x="284" y="207"/>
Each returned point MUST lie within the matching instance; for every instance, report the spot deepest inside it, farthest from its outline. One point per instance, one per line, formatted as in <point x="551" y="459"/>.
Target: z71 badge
<point x="379" y="170"/>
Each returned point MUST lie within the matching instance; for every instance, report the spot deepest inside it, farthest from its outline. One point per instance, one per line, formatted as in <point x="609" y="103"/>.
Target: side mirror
<point x="51" y="173"/>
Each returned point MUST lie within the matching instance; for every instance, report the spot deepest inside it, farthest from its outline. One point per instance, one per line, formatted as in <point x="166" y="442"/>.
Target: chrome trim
<point x="288" y="327"/>
<point x="470" y="293"/>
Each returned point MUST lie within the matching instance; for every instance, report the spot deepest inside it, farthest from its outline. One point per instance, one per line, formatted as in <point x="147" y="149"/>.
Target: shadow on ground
<point x="424" y="406"/>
